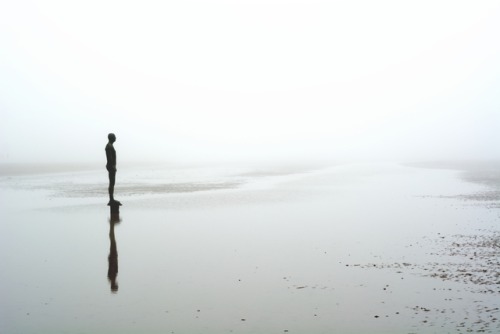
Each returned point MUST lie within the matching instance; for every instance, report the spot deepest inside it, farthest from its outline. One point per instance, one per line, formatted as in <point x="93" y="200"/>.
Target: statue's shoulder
<point x="109" y="147"/>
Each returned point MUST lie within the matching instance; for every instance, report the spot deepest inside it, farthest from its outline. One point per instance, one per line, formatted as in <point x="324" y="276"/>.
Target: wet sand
<point x="361" y="248"/>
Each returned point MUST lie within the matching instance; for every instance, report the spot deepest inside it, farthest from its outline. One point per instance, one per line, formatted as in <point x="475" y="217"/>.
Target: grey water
<point x="231" y="249"/>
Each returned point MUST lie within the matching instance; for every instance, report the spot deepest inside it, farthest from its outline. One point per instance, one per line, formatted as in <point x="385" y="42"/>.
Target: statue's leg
<point x="111" y="188"/>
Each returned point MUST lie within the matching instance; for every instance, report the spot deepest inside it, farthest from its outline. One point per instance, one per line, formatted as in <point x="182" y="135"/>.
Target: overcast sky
<point x="194" y="80"/>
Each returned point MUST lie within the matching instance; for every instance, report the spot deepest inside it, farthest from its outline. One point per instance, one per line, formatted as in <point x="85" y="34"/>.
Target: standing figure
<point x="111" y="167"/>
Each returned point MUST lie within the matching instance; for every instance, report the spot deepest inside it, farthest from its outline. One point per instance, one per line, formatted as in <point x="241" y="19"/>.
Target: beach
<point x="344" y="248"/>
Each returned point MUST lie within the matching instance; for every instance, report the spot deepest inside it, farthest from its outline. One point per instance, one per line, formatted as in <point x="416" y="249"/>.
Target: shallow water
<point x="243" y="250"/>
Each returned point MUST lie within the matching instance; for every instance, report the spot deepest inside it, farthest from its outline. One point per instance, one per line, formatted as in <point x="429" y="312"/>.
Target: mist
<point x="249" y="80"/>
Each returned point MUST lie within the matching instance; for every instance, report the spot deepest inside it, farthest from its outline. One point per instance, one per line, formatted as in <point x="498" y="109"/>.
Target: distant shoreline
<point x="16" y="169"/>
<point x="27" y="168"/>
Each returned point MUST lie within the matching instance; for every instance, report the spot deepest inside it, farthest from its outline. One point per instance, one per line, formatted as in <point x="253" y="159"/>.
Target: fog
<point x="237" y="80"/>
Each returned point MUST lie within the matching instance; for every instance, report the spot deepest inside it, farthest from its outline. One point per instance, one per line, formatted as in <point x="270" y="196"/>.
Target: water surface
<point x="343" y="249"/>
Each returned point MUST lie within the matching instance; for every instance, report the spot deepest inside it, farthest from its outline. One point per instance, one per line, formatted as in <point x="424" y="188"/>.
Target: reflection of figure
<point x="111" y="167"/>
<point x="113" y="253"/>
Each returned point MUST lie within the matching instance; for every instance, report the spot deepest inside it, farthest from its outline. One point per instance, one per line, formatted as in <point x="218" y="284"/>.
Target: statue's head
<point x="112" y="137"/>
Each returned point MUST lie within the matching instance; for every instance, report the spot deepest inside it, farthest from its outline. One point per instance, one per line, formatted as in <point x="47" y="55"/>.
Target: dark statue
<point x="111" y="167"/>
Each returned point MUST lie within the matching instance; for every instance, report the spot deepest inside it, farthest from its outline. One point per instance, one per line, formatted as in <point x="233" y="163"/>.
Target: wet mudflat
<point x="349" y="249"/>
